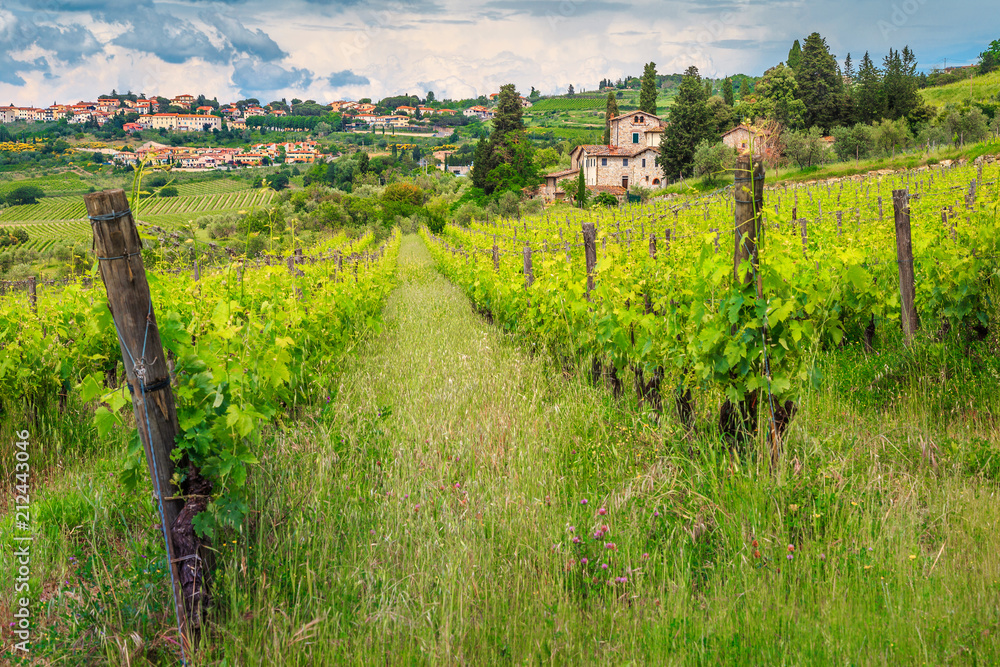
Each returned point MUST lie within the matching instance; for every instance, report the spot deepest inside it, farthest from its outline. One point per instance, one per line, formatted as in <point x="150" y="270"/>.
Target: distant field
<point x="54" y="184"/>
<point x="567" y="104"/>
<point x="982" y="88"/>
<point x="64" y="218"/>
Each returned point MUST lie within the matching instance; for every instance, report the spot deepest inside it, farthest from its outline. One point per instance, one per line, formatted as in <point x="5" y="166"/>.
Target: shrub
<point x="712" y="160"/>
<point x="403" y="192"/>
<point x="24" y="194"/>
<point x="12" y="237"/>
<point x="169" y="191"/>
<point x="606" y="199"/>
<point x="467" y="213"/>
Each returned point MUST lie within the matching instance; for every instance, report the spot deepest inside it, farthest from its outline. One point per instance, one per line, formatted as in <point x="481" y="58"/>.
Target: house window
<point x="604" y="162"/>
<point x="635" y="137"/>
<point x="644" y="163"/>
<point x="639" y="119"/>
<point x="625" y="162"/>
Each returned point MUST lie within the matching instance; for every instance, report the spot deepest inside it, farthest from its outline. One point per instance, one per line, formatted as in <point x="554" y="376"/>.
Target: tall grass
<point x="433" y="513"/>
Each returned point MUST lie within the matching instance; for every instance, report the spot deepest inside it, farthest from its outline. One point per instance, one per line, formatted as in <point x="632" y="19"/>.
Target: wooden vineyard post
<point x="118" y="249"/>
<point x="33" y="293"/>
<point x="740" y="421"/>
<point x="529" y="276"/>
<point x="749" y="196"/>
<point x="590" y="253"/>
<point x="496" y="255"/>
<point x="904" y="257"/>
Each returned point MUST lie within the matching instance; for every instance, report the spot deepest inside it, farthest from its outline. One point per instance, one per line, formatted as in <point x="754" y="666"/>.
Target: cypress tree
<point x="647" y="94"/>
<point x="821" y="87"/>
<point x="727" y="92"/>
<point x="611" y="110"/>
<point x="581" y="190"/>
<point x="795" y="56"/>
<point x="690" y="124"/>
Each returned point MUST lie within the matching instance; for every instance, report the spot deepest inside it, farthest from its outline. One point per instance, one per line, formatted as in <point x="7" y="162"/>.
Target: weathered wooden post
<point x="118" y="249"/>
<point x="904" y="257"/>
<point x="496" y="254"/>
<point x="33" y="293"/>
<point x="529" y="276"/>
<point x="749" y="197"/>
<point x="590" y="254"/>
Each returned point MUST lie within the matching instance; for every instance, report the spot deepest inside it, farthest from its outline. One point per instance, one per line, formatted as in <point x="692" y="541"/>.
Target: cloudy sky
<point x="70" y="50"/>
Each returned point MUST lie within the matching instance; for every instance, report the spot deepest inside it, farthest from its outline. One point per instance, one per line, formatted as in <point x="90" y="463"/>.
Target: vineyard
<point x="756" y="426"/>
<point x="663" y="299"/>
<point x="55" y="219"/>
<point x="564" y="104"/>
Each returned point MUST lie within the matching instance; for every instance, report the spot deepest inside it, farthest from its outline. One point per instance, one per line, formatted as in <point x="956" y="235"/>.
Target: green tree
<point x="581" y="190"/>
<point x="727" y="92"/>
<point x="778" y="97"/>
<point x="989" y="60"/>
<point x="722" y="116"/>
<point x="711" y="160"/>
<point x="805" y="147"/>
<point x="892" y="135"/>
<point x="647" y="94"/>
<point x="690" y="124"/>
<point x="849" y="69"/>
<point x="610" y="111"/>
<point x="854" y="143"/>
<point x="24" y="194"/>
<point x="794" y="56"/>
<point x="506" y="145"/>
<point x="821" y="87"/>
<point x="869" y="99"/>
<point x="899" y="83"/>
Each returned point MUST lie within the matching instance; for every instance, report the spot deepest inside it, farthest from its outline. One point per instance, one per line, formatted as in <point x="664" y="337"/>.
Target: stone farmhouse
<point x="629" y="160"/>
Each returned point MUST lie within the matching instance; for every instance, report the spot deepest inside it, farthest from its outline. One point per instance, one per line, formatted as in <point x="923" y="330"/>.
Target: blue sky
<point x="68" y="50"/>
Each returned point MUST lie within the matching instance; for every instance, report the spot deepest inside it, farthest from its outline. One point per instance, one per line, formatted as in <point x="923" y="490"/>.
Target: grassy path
<point x="429" y="516"/>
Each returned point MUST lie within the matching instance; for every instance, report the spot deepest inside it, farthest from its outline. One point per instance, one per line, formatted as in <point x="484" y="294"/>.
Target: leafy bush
<point x="606" y="199"/>
<point x="12" y="237"/>
<point x="24" y="194"/>
<point x="262" y="221"/>
<point x="403" y="192"/>
<point x="169" y="191"/>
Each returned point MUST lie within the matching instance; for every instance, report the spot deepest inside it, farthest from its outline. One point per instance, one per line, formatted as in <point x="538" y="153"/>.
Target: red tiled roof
<point x="597" y="150"/>
<point x="560" y="174"/>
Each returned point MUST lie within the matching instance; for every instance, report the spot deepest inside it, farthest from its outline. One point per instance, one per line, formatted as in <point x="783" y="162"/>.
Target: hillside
<point x="982" y="88"/>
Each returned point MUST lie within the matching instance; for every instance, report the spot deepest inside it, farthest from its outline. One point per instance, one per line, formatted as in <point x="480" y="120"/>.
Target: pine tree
<point x="611" y="110"/>
<point x="647" y="95"/>
<point x="849" y="68"/>
<point x="727" y="92"/>
<point x="570" y="91"/>
<point x="506" y="147"/>
<point x="690" y="124"/>
<point x="869" y="102"/>
<point x="795" y="57"/>
<point x="708" y="88"/>
<point x="821" y="87"/>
